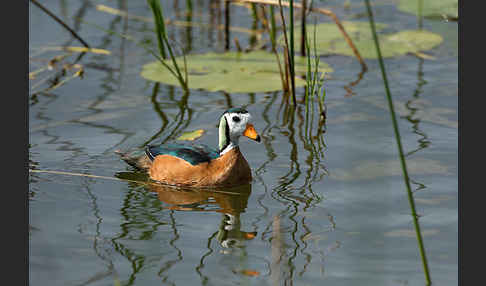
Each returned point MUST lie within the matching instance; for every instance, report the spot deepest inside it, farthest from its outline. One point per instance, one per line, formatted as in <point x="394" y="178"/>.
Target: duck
<point x="197" y="165"/>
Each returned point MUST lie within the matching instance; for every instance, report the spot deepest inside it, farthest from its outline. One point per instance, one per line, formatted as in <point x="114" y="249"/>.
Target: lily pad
<point x="191" y="135"/>
<point x="431" y="8"/>
<point x="329" y="40"/>
<point x="233" y="72"/>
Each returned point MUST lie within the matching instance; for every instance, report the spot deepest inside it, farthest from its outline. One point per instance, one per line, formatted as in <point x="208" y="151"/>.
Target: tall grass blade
<point x="399" y="144"/>
<point x="289" y="58"/>
<point x="164" y="43"/>
<point x="272" y="33"/>
<point x="159" y="25"/>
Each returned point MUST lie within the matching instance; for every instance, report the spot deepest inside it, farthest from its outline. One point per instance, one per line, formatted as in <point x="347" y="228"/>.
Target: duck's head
<point x="234" y="123"/>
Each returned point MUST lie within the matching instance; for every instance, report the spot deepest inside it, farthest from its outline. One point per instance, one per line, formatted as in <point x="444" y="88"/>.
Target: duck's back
<point x="193" y="154"/>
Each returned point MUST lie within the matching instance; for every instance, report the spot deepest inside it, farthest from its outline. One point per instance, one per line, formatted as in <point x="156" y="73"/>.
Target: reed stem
<point x="164" y="43"/>
<point x="288" y="62"/>
<point x="292" y="51"/>
<point x="159" y="25"/>
<point x="399" y="145"/>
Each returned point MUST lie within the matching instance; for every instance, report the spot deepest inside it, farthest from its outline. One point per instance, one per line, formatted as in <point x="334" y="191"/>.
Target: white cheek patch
<point x="237" y="128"/>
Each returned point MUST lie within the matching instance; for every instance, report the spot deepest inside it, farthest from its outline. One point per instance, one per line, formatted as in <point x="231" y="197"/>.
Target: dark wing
<point x="194" y="154"/>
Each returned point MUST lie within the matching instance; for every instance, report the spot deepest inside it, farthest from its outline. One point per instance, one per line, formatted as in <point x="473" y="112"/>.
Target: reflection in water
<point x="413" y="108"/>
<point x="149" y="212"/>
<point x="289" y="228"/>
<point x="100" y="246"/>
<point x="181" y="121"/>
<point x="149" y="207"/>
<point x="423" y="141"/>
<point x="229" y="202"/>
<point x="349" y="91"/>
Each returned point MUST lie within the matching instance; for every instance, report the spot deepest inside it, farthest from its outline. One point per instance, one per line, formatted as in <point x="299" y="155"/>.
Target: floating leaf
<point x="331" y="41"/>
<point x="233" y="72"/>
<point x="249" y="272"/>
<point x="431" y="8"/>
<point x="192" y="135"/>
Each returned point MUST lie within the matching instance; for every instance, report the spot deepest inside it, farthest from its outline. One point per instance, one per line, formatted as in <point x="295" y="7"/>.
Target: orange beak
<point x="251" y="133"/>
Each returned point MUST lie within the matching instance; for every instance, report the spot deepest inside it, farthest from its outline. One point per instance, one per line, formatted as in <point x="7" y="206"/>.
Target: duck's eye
<point x="236" y="119"/>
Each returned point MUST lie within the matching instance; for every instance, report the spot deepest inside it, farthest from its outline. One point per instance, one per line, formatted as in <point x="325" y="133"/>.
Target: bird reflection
<point x="230" y="202"/>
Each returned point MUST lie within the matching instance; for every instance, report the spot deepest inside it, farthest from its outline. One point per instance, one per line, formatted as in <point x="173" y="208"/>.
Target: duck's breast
<point x="230" y="169"/>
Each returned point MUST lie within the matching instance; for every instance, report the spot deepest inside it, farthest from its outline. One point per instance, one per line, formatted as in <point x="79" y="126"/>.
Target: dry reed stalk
<point x="323" y="11"/>
<point x="266" y="25"/>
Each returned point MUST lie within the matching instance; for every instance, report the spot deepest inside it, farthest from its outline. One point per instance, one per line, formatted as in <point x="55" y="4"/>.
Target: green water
<point x="339" y="217"/>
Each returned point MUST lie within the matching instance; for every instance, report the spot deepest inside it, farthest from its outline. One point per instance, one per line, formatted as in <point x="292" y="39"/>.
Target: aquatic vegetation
<point x="398" y="140"/>
<point x="163" y="43"/>
<point x="330" y="40"/>
<point x="328" y="192"/>
<point x="431" y="8"/>
<point x="233" y="72"/>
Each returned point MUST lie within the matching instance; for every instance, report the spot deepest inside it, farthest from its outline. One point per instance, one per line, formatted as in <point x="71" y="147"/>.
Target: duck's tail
<point x="137" y="159"/>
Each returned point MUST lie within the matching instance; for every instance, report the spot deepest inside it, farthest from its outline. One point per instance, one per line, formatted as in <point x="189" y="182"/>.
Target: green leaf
<point x="431" y="8"/>
<point x="192" y="135"/>
<point x="233" y="72"/>
<point x="331" y="41"/>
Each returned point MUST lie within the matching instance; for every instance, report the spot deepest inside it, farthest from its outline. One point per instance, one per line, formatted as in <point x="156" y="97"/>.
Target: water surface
<point x="339" y="216"/>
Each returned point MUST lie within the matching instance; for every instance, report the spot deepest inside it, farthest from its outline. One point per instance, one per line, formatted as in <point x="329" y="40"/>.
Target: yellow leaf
<point x="192" y="135"/>
<point x="424" y="56"/>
